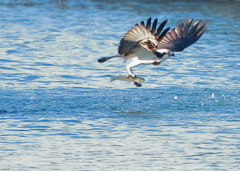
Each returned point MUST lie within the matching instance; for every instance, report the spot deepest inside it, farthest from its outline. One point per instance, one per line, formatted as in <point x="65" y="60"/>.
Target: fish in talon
<point x="127" y="78"/>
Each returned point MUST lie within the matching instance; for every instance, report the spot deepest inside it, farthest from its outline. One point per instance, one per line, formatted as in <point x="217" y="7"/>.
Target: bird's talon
<point x="130" y="76"/>
<point x="137" y="84"/>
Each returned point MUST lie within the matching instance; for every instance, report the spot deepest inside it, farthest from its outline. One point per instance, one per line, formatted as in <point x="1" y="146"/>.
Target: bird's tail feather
<point x="103" y="59"/>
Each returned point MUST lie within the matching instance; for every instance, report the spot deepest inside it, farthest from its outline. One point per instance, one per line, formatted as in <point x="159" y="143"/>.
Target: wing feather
<point x="193" y="29"/>
<point x="200" y="34"/>
<point x="174" y="34"/>
<point x="160" y="28"/>
<point x="201" y="27"/>
<point x="163" y="34"/>
<point x="168" y="36"/>
<point x="186" y="27"/>
<point x="154" y="26"/>
<point x="183" y="36"/>
<point x="179" y="30"/>
<point x="142" y="35"/>
<point x="148" y="25"/>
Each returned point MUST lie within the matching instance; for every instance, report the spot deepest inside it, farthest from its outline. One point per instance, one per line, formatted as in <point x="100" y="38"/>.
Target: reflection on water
<point x="58" y="110"/>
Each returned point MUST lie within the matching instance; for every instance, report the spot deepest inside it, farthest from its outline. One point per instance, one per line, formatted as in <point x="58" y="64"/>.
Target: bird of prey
<point x="149" y="44"/>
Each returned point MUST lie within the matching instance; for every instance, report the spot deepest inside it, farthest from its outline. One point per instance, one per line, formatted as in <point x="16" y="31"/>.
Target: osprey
<point x="147" y="44"/>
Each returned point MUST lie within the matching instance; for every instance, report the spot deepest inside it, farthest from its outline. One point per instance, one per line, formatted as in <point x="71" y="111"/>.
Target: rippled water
<point x="58" y="110"/>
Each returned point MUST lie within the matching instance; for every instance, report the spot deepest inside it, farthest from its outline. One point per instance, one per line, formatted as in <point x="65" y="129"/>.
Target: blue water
<point x="58" y="110"/>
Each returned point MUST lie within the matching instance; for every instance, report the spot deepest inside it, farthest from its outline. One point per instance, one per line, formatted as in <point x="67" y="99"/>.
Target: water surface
<point x="58" y="110"/>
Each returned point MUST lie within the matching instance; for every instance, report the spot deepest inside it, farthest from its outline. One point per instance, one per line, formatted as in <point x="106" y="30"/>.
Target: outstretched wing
<point x="183" y="36"/>
<point x="142" y="35"/>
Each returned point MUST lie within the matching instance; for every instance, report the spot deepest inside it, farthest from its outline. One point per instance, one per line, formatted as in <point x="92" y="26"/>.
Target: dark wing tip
<point x="163" y="34"/>
<point x="183" y="36"/>
<point x="160" y="28"/>
<point x="148" y="25"/>
<point x="154" y="26"/>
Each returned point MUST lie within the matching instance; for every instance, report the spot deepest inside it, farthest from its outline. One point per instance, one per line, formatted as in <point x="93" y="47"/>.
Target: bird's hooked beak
<point x="171" y="54"/>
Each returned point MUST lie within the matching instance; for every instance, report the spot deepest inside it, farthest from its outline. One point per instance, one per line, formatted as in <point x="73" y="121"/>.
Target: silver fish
<point x="129" y="79"/>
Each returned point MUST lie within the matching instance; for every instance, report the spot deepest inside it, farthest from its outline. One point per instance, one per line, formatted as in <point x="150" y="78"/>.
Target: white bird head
<point x="166" y="52"/>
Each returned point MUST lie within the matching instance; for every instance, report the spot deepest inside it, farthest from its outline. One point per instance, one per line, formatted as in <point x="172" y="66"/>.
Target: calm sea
<point x="58" y="110"/>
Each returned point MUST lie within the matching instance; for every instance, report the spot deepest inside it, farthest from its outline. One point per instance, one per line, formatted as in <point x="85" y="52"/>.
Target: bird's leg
<point x="156" y="62"/>
<point x="133" y="63"/>
<point x="136" y="62"/>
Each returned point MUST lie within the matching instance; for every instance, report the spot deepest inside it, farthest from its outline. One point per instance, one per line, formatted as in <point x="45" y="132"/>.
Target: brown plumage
<point x="142" y="35"/>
